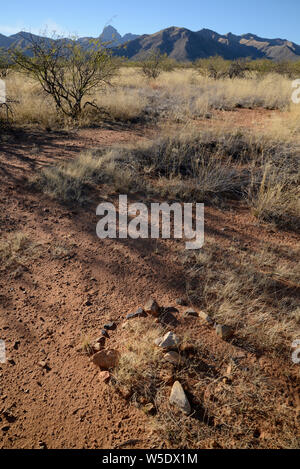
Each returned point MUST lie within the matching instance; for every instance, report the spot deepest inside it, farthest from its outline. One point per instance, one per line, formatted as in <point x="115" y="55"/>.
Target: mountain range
<point x="182" y="44"/>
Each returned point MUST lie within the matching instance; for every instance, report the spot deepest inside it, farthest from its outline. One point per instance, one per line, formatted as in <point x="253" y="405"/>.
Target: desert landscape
<point x="140" y="343"/>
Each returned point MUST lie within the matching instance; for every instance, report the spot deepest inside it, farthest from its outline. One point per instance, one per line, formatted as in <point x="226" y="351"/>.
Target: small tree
<point x="237" y="70"/>
<point x="66" y="70"/>
<point x="153" y="65"/>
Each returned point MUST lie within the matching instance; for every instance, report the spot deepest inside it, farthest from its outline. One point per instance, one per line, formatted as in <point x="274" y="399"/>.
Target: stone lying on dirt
<point x="106" y="359"/>
<point x="104" y="333"/>
<point x="100" y="341"/>
<point x="170" y="341"/>
<point x="97" y="347"/>
<point x="205" y="317"/>
<point x="140" y="313"/>
<point x="225" y="332"/>
<point x="44" y="365"/>
<point x="179" y="399"/>
<point x="110" y="326"/>
<point x="191" y="312"/>
<point x="152" y="307"/>
<point x="104" y="376"/>
<point x="172" y="357"/>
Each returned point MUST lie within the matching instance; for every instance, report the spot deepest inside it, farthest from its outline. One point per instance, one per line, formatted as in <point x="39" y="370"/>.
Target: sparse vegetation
<point x="229" y="401"/>
<point x="220" y="132"/>
<point x="153" y="64"/>
<point x="66" y="71"/>
<point x="16" y="249"/>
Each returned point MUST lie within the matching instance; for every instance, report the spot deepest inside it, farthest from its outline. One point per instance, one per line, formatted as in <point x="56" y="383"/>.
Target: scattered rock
<point x="88" y="303"/>
<point x="205" y="317"/>
<point x="43" y="364"/>
<point x="9" y="416"/>
<point x="191" y="312"/>
<point x="16" y="345"/>
<point x="178" y="398"/>
<point x="100" y="341"/>
<point x="110" y="326"/>
<point x="152" y="307"/>
<point x="104" y="333"/>
<point x="5" y="428"/>
<point x="170" y="340"/>
<point x="104" y="376"/>
<point x="172" y="357"/>
<point x="225" y="332"/>
<point x="140" y="313"/>
<point x="106" y="359"/>
<point x="97" y="347"/>
<point x="181" y="301"/>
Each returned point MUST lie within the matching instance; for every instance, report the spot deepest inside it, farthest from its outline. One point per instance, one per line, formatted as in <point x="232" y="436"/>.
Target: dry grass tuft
<point x="139" y="370"/>
<point x="256" y="293"/>
<point x="15" y="250"/>
<point x="233" y="405"/>
<point x="69" y="182"/>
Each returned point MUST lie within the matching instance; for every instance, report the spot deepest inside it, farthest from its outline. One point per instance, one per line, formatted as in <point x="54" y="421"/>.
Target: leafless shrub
<point x="66" y="71"/>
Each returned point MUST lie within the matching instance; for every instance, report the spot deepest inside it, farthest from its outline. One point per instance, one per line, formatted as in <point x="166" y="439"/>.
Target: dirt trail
<point x="73" y="285"/>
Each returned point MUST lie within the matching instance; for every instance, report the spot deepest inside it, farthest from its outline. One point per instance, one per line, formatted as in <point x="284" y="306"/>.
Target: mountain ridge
<point x="182" y="44"/>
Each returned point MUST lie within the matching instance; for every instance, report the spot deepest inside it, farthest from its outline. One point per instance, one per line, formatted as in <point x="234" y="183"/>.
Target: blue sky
<point x="268" y="18"/>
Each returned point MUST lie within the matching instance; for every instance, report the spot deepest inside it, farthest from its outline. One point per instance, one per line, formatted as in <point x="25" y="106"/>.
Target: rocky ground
<point x="71" y="284"/>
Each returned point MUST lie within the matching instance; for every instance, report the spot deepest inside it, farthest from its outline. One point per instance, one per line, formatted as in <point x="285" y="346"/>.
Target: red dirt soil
<point x="52" y="303"/>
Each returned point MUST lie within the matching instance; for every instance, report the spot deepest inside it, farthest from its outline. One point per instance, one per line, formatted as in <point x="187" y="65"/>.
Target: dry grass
<point x="233" y="406"/>
<point x="177" y="95"/>
<point x="256" y="294"/>
<point x="16" y="249"/>
<point x="276" y="197"/>
<point x="139" y="372"/>
<point x="70" y="182"/>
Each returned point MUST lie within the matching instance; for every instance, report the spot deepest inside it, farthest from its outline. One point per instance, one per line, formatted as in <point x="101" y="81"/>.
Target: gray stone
<point x="140" y="313"/>
<point x="110" y="326"/>
<point x="179" y="399"/>
<point x="170" y="341"/>
<point x="152" y="307"/>
<point x="205" y="317"/>
<point x="225" y="332"/>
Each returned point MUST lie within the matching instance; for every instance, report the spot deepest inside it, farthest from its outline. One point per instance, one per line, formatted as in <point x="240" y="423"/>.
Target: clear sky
<point x="267" y="18"/>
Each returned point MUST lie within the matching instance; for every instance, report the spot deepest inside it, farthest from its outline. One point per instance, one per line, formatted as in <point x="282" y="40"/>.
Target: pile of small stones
<point x="107" y="359"/>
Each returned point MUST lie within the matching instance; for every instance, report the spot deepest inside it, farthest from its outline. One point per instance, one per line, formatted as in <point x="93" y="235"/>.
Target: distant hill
<point x="183" y="44"/>
<point x="111" y="35"/>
